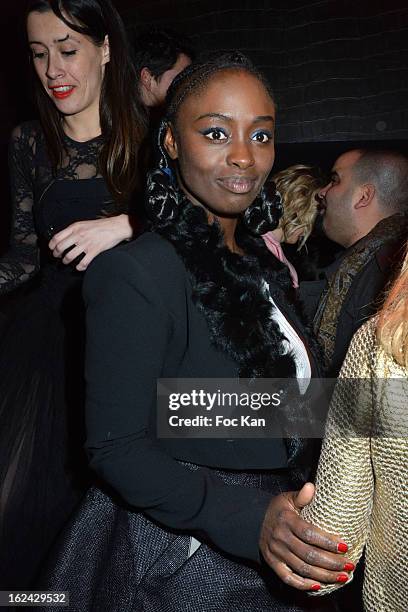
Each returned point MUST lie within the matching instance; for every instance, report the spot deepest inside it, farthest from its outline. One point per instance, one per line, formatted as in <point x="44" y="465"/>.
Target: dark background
<point x="339" y="68"/>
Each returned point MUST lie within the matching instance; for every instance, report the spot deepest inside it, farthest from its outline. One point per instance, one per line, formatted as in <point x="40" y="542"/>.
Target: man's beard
<point x="318" y="229"/>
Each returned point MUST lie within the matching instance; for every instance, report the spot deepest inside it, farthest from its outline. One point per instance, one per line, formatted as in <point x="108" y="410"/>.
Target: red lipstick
<point x="62" y="91"/>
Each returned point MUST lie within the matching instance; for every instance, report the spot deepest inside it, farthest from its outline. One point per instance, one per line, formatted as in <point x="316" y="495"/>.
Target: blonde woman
<point x="299" y="186"/>
<point x="362" y="479"/>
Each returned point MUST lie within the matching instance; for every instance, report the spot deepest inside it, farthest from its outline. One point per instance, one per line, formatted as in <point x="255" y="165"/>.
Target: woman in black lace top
<point x="72" y="176"/>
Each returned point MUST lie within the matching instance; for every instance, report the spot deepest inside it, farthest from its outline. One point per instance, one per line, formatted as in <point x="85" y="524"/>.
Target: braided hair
<point x="163" y="193"/>
<point x="196" y="76"/>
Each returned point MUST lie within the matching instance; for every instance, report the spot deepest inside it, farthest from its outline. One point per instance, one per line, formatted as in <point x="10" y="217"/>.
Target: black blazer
<point x="143" y="325"/>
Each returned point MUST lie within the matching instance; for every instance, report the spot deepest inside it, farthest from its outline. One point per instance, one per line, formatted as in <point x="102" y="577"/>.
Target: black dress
<point x="43" y="472"/>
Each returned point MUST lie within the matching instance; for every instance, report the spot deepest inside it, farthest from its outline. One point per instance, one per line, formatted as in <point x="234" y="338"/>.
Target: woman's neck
<point x="82" y="126"/>
<point x="228" y="226"/>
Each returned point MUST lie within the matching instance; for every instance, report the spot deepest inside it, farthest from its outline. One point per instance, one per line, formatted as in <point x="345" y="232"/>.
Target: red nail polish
<point x="349" y="567"/>
<point x="342" y="547"/>
<point x="342" y="578"/>
<point x="315" y="587"/>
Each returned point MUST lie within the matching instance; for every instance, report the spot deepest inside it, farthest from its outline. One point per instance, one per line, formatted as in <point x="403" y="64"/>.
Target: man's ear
<point x="105" y="51"/>
<point x="366" y="196"/>
<point x="146" y="78"/>
<point x="170" y="143"/>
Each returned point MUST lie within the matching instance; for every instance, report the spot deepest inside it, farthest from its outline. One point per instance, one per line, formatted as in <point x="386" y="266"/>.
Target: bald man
<point x="365" y="211"/>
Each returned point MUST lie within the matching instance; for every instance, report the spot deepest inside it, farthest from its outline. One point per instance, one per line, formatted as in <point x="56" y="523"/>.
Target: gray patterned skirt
<point x="111" y="559"/>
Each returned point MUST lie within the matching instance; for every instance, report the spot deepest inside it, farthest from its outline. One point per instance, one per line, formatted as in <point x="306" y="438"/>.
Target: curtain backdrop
<point x="339" y="68"/>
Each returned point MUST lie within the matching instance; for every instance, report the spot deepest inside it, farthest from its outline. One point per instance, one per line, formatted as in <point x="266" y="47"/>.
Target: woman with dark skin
<point x="180" y="524"/>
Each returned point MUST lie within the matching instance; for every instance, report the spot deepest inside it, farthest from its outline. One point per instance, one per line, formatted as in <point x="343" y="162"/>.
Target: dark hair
<point x="163" y="193"/>
<point x="122" y="118"/>
<point x="157" y="49"/>
<point x="388" y="171"/>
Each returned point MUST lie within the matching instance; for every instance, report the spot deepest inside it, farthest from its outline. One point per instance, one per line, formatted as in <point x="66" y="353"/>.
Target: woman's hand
<point x="301" y="554"/>
<point x="90" y="238"/>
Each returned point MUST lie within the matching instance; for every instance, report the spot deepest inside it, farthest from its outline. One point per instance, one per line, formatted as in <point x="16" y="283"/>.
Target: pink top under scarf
<point x="275" y="247"/>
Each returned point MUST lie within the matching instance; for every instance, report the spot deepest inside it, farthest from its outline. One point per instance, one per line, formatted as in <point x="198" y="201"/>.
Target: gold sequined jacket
<point x="362" y="478"/>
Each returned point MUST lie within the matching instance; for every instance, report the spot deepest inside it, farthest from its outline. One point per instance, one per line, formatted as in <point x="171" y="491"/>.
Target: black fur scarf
<point x="228" y="290"/>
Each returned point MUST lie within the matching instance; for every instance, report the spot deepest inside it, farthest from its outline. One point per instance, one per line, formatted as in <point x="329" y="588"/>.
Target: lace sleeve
<point x="21" y="261"/>
<point x="345" y="481"/>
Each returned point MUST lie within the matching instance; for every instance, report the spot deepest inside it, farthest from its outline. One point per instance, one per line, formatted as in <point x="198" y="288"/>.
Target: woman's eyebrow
<point x="56" y="40"/>
<point x="68" y="36"/>
<point x="214" y="116"/>
<point x="263" y="118"/>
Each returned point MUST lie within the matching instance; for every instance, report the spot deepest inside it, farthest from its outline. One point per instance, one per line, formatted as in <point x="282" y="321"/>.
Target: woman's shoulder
<point x="149" y="257"/>
<point x="365" y="341"/>
<point x="366" y="336"/>
<point x="154" y="253"/>
<point x="25" y="139"/>
<point x="366" y="357"/>
<point x="151" y="245"/>
<point x="27" y="130"/>
<point x="362" y="351"/>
